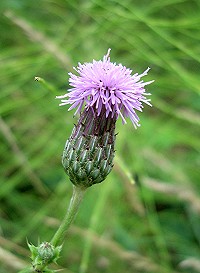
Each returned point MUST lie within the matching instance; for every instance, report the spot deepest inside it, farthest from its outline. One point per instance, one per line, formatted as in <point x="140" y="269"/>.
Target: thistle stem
<point x="77" y="196"/>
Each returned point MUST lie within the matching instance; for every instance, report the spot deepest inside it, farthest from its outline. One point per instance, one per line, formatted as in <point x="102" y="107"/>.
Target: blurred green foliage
<point x="151" y="226"/>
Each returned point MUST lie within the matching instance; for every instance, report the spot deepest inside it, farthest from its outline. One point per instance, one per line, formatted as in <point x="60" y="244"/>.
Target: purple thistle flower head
<point x="107" y="88"/>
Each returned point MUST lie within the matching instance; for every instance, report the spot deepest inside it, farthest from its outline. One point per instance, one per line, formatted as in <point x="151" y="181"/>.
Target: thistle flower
<point x="105" y="91"/>
<point x="107" y="87"/>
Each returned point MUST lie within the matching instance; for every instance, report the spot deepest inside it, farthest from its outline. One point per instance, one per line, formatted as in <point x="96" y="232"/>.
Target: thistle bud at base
<point x="43" y="255"/>
<point x="89" y="152"/>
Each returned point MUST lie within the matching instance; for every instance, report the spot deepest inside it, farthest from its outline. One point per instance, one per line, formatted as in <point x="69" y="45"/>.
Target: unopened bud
<point x="43" y="255"/>
<point x="46" y="252"/>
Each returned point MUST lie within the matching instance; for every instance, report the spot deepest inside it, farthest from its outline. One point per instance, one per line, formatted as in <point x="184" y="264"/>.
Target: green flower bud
<point x="89" y="152"/>
<point x="43" y="255"/>
<point x="46" y="252"/>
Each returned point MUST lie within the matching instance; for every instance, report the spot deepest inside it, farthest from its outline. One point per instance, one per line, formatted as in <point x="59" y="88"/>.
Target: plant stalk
<point x="77" y="196"/>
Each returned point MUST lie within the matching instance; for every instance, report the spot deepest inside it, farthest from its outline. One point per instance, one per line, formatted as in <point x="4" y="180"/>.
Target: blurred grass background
<point x="152" y="226"/>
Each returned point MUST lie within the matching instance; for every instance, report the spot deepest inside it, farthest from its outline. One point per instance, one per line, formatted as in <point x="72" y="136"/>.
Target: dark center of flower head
<point x="92" y="124"/>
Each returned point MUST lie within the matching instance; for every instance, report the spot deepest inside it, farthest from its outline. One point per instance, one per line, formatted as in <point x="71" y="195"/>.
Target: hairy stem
<point x="77" y="196"/>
